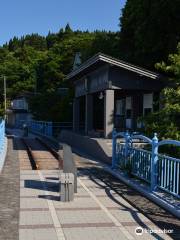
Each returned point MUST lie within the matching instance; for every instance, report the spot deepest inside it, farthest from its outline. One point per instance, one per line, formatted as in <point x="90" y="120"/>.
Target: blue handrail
<point x="159" y="170"/>
<point x="2" y="142"/>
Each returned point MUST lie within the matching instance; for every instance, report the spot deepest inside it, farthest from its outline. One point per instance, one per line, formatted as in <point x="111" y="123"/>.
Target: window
<point x="128" y="107"/>
<point x="128" y="103"/>
<point x="120" y="107"/>
<point x="147" y="103"/>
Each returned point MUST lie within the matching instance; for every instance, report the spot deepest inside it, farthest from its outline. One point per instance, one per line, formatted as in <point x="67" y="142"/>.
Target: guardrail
<point x="159" y="170"/>
<point x="140" y="161"/>
<point x="3" y="143"/>
<point x="50" y="129"/>
<point x="41" y="127"/>
<point x="168" y="172"/>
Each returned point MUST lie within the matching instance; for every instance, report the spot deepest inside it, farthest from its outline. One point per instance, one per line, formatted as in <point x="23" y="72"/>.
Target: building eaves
<point x="115" y="62"/>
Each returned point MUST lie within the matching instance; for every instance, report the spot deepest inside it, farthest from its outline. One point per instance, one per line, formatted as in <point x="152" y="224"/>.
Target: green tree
<point x="39" y="64"/>
<point x="149" y="30"/>
<point x="36" y="41"/>
<point x="166" y="121"/>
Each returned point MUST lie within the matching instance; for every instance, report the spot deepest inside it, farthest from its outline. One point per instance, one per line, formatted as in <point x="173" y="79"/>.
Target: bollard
<point x="69" y="165"/>
<point x="66" y="187"/>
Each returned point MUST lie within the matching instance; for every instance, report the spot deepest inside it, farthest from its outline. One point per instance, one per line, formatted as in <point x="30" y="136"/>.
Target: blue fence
<point x="50" y="129"/>
<point x="2" y="143"/>
<point x="140" y="161"/>
<point x="41" y="127"/>
<point x="159" y="170"/>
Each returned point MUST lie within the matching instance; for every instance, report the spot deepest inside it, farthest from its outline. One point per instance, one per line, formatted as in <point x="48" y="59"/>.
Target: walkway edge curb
<point x="150" y="195"/>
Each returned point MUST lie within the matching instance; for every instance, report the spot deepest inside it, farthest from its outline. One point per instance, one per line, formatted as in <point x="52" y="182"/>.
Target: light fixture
<point x="101" y="96"/>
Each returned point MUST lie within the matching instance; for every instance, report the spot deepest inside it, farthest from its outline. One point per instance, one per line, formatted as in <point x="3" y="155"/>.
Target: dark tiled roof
<point x="100" y="57"/>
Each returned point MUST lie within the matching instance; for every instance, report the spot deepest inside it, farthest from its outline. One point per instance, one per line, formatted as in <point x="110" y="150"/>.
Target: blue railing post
<point x="114" y="148"/>
<point x="154" y="161"/>
<point x="127" y="138"/>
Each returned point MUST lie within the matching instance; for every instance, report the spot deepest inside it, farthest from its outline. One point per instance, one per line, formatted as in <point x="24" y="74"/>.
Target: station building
<point x="112" y="93"/>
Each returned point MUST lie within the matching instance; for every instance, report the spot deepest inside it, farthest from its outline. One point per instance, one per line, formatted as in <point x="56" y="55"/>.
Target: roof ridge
<point x="112" y="60"/>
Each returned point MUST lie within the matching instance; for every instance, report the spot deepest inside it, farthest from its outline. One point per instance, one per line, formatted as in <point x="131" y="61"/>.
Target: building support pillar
<point x="76" y="106"/>
<point x="89" y="113"/>
<point x="108" y="113"/>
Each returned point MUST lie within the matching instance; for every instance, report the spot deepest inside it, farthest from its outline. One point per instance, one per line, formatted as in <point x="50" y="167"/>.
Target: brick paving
<point x="92" y="215"/>
<point x="103" y="208"/>
<point x="9" y="195"/>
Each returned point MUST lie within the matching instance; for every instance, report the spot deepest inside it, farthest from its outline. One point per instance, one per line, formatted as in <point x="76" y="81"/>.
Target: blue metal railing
<point x="2" y="142"/>
<point x="121" y="160"/>
<point x="50" y="129"/>
<point x="140" y="161"/>
<point x="159" y="170"/>
<point x="168" y="170"/>
<point x="41" y="127"/>
<point x="2" y="134"/>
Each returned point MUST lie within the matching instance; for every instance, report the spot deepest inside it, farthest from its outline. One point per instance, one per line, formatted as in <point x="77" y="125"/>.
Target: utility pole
<point x="5" y="102"/>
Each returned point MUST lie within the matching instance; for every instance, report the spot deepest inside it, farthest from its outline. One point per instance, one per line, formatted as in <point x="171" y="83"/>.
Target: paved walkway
<point x="103" y="208"/>
<point x="9" y="195"/>
<point x="97" y="212"/>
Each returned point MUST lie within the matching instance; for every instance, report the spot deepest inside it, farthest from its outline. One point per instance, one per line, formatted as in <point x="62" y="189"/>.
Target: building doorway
<point x="82" y="113"/>
<point x="98" y="115"/>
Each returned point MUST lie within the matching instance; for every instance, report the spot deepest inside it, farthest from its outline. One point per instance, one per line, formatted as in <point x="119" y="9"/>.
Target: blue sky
<point x="20" y="17"/>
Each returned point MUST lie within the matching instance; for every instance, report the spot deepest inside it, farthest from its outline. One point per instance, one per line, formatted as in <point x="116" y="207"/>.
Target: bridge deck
<point x="104" y="208"/>
<point x="9" y="195"/>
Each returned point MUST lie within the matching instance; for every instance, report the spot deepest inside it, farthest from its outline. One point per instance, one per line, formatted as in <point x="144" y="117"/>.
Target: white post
<point x="108" y="113"/>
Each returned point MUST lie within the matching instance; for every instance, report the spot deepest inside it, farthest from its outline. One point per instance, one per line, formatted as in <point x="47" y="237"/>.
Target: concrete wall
<point x="91" y="146"/>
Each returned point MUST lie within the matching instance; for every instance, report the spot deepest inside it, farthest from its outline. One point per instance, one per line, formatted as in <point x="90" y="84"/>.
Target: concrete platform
<point x="104" y="207"/>
<point x="98" y="212"/>
<point x="9" y="195"/>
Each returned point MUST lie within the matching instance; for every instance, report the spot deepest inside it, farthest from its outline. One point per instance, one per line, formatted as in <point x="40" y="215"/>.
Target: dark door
<point x="137" y="106"/>
<point x="98" y="114"/>
<point x="82" y="113"/>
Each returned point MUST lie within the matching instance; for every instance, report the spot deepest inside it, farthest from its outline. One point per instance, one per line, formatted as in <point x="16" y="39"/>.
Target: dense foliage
<point x="39" y="64"/>
<point x="166" y="121"/>
<point x="149" y="30"/>
<point x="149" y="33"/>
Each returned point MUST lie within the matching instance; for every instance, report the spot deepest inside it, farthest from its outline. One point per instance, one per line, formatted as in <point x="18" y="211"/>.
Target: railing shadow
<point x="154" y="213"/>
